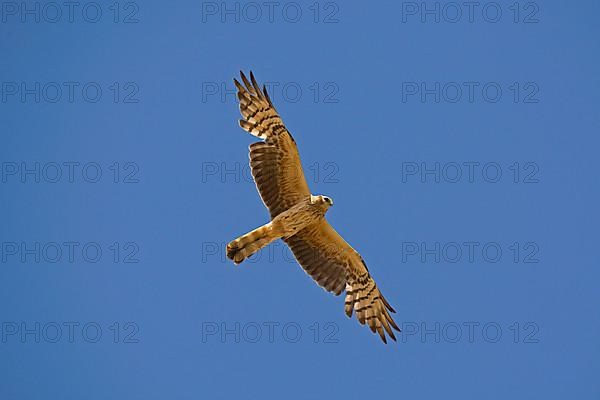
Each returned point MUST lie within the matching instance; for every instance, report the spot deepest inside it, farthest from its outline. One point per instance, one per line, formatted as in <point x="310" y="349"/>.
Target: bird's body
<point x="298" y="217"/>
<point x="306" y="212"/>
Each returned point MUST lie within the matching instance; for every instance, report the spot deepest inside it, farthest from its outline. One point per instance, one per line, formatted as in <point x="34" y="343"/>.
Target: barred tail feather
<point x="244" y="246"/>
<point x="370" y="307"/>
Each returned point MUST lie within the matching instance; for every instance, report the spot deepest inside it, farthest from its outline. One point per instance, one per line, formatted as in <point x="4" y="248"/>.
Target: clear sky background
<point x="459" y="145"/>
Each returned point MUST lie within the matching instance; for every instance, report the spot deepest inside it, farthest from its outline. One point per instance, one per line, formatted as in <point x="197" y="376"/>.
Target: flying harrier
<point x="298" y="217"/>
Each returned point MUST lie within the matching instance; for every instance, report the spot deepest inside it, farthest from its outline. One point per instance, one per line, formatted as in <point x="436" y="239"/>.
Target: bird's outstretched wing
<point x="335" y="265"/>
<point x="275" y="163"/>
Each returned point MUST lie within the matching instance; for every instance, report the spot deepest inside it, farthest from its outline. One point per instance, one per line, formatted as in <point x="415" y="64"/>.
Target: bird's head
<point x="322" y="201"/>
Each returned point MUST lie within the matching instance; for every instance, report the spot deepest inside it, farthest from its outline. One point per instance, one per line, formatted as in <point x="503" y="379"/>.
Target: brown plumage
<point x="298" y="217"/>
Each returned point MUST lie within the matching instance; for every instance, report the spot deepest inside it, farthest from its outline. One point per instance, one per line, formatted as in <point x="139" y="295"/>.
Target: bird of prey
<point x="298" y="217"/>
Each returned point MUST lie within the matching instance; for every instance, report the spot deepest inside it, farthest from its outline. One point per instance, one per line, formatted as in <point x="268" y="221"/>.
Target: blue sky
<point x="458" y="143"/>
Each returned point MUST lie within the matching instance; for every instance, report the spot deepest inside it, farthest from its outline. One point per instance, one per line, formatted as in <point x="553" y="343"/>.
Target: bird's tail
<point x="244" y="246"/>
